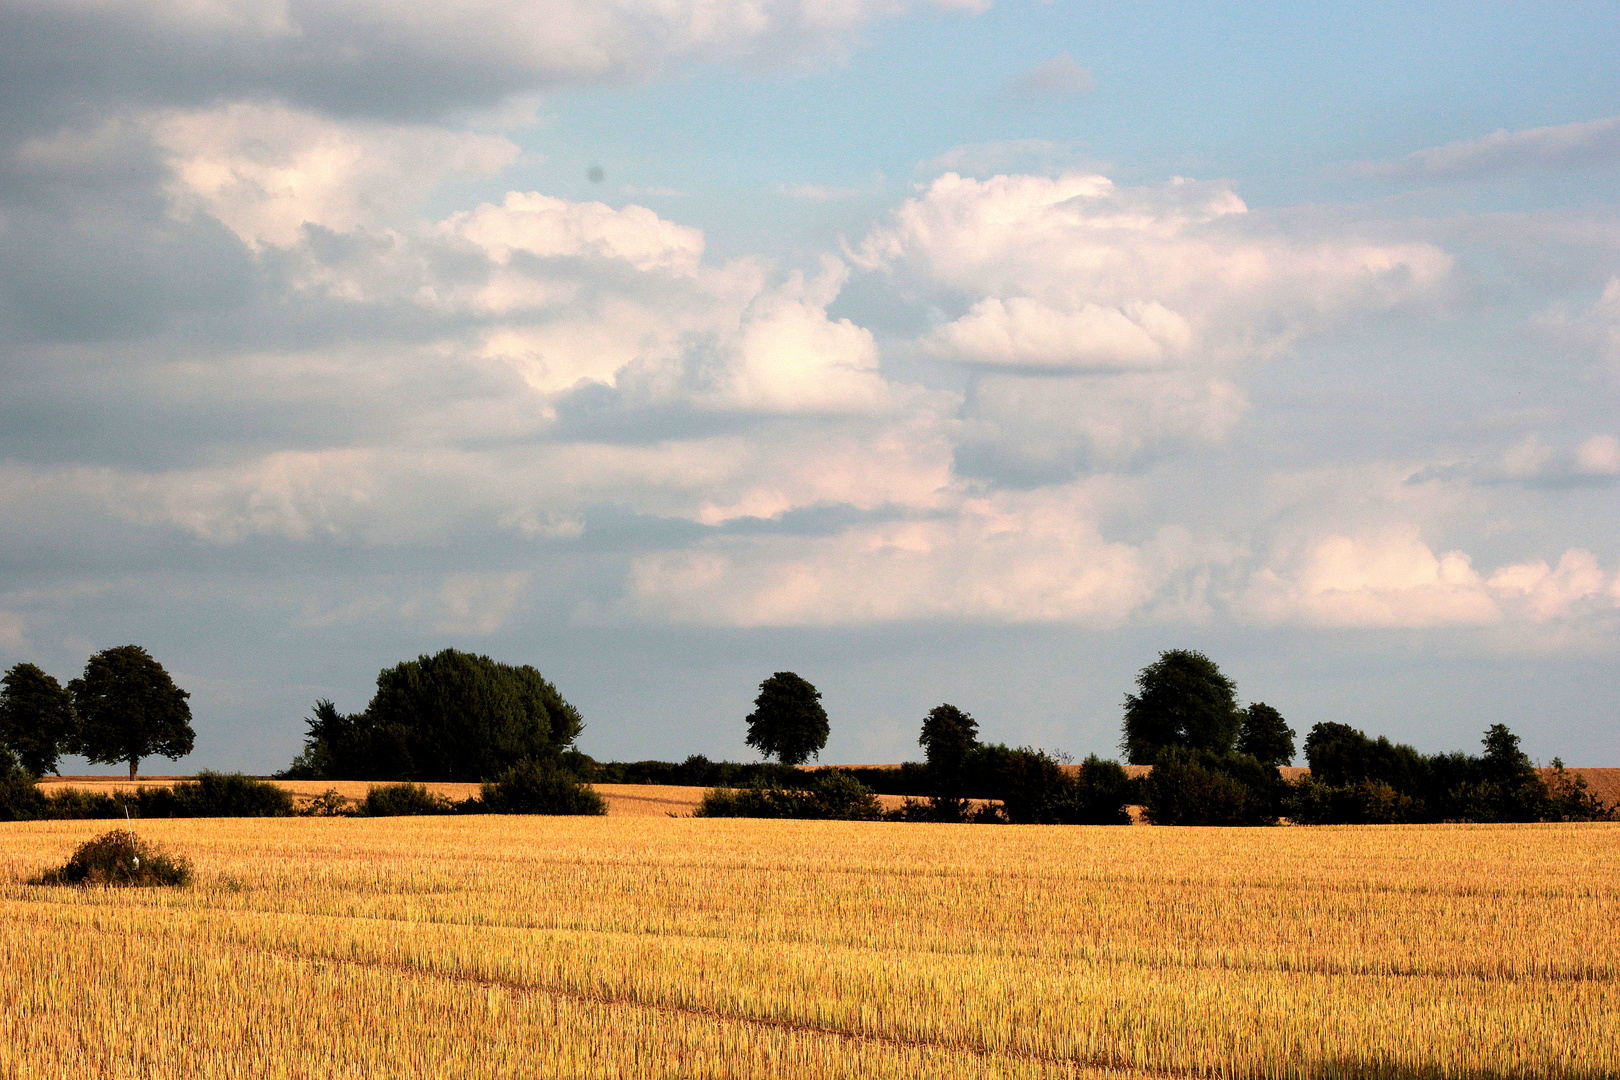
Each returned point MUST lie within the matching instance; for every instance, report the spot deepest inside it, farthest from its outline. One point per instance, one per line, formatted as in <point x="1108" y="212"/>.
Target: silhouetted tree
<point x="788" y="722"/>
<point x="1264" y="734"/>
<point x="128" y="709"/>
<point x="36" y="718"/>
<point x="450" y="716"/>
<point x="1184" y="701"/>
<point x="948" y="734"/>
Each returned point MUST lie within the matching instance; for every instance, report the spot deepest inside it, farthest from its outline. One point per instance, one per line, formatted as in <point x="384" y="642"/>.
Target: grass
<point x="654" y="947"/>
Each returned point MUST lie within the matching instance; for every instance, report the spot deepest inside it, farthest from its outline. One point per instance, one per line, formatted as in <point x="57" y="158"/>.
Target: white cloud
<point x="1545" y="592"/>
<point x="265" y="170"/>
<point x="547" y="227"/>
<point x="1386" y="579"/>
<point x="1024" y="332"/>
<point x="1035" y="558"/>
<point x="1242" y="286"/>
<point x="1592" y="142"/>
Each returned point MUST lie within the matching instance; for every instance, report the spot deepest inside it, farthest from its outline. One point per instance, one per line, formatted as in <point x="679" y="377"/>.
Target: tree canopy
<point x="129" y="709"/>
<point x="788" y="722"/>
<point x="1184" y="701"/>
<point x="36" y="718"/>
<point x="449" y="716"/>
<point x="1264" y="734"/>
<point x="948" y="734"/>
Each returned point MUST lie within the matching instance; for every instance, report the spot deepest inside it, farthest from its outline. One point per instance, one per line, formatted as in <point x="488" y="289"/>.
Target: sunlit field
<point x="662" y="947"/>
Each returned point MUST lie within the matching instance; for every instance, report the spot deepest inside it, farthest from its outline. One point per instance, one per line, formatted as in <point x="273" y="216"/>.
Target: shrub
<point x="829" y="795"/>
<point x="214" y="794"/>
<point x="404" y="800"/>
<point x="531" y="787"/>
<point x="1570" y="801"/>
<point x="1189" y="788"/>
<point x="327" y="804"/>
<point x="120" y="857"/>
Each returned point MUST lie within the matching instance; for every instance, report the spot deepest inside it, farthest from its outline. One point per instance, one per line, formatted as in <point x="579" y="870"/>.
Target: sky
<point x="968" y="351"/>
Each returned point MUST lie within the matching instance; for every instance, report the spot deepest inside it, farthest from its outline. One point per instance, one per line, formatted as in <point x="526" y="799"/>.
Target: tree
<point x="450" y="716"/>
<point x="1266" y="735"/>
<point x="1185" y="702"/>
<point x="36" y="718"/>
<point x="788" y="722"/>
<point x="129" y="708"/>
<point x="948" y="734"/>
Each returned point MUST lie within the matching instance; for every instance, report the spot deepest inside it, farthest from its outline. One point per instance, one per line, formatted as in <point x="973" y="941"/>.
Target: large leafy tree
<point x="1183" y="701"/>
<point x="129" y="709"/>
<point x="1264" y="734"/>
<point x="948" y="735"/>
<point x="450" y="716"/>
<point x="36" y="718"/>
<point x="788" y="722"/>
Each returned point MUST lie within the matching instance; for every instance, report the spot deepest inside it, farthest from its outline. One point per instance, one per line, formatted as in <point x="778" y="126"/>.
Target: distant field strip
<point x="658" y="947"/>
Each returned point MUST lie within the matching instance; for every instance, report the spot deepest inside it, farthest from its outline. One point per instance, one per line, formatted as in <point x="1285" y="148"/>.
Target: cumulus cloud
<point x="1560" y="146"/>
<point x="1148" y="299"/>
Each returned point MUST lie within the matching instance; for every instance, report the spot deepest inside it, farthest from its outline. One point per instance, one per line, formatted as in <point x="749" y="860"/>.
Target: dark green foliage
<point x="450" y="716"/>
<point x="1197" y="787"/>
<point x="120" y="857"/>
<point x="20" y="799"/>
<point x="948" y="735"/>
<point x="788" y="722"/>
<point x="1358" y="779"/>
<point x="327" y="804"/>
<point x="403" y="800"/>
<point x="214" y="794"/>
<point x="128" y="709"/>
<point x="532" y="787"/>
<point x="1184" y="702"/>
<point x="829" y="794"/>
<point x="36" y="718"/>
<point x="1264" y="734"/>
<point x="1032" y="787"/>
<point x="1568" y="799"/>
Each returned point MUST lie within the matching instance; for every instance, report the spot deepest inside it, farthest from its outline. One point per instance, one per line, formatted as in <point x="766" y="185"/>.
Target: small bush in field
<point x="327" y="804"/>
<point x="404" y="800"/>
<point x="120" y="857"/>
<point x="532" y="788"/>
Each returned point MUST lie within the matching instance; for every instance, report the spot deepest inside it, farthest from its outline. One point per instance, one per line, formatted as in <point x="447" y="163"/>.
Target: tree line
<point x="457" y="716"/>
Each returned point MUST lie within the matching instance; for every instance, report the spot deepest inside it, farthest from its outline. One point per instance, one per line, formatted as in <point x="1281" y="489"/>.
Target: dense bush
<point x="214" y="794"/>
<point x="532" y="787"/>
<point x="120" y="857"/>
<point x="1358" y="780"/>
<point x="1191" y="787"/>
<point x="830" y="794"/>
<point x="449" y="716"/>
<point x="403" y="800"/>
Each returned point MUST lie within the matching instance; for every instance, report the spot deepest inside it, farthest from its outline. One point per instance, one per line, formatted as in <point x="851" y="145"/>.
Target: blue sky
<point x="960" y="352"/>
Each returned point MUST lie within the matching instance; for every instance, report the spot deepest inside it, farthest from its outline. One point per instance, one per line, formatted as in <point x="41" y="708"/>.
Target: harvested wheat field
<point x="660" y="947"/>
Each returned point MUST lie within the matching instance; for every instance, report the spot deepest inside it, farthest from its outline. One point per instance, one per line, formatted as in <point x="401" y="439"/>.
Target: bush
<point x="530" y="787"/>
<point x="1570" y="801"/>
<point x="327" y="804"/>
<point x="120" y="857"/>
<point x="214" y="794"/>
<point x="1190" y="788"/>
<point x="831" y="795"/>
<point x="404" y="800"/>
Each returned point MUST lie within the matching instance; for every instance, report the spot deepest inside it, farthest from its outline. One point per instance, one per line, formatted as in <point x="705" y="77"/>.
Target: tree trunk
<point x="134" y="763"/>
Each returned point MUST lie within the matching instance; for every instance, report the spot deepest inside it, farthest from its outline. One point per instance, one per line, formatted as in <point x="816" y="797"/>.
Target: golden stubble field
<point x="662" y="947"/>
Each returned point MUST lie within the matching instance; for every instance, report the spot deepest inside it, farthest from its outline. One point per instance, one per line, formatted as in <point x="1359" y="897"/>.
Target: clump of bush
<point x="214" y="794"/>
<point x="327" y="804"/>
<point x="1199" y="787"/>
<point x="828" y="795"/>
<point x="120" y="857"/>
<point x="531" y="787"/>
<point x="404" y="800"/>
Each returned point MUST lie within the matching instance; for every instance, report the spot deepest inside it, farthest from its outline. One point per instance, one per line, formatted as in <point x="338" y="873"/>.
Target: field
<point x="660" y="947"/>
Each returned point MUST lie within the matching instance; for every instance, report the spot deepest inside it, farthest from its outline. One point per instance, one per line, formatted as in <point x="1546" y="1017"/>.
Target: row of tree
<point x="124" y="708"/>
<point x="1213" y="762"/>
